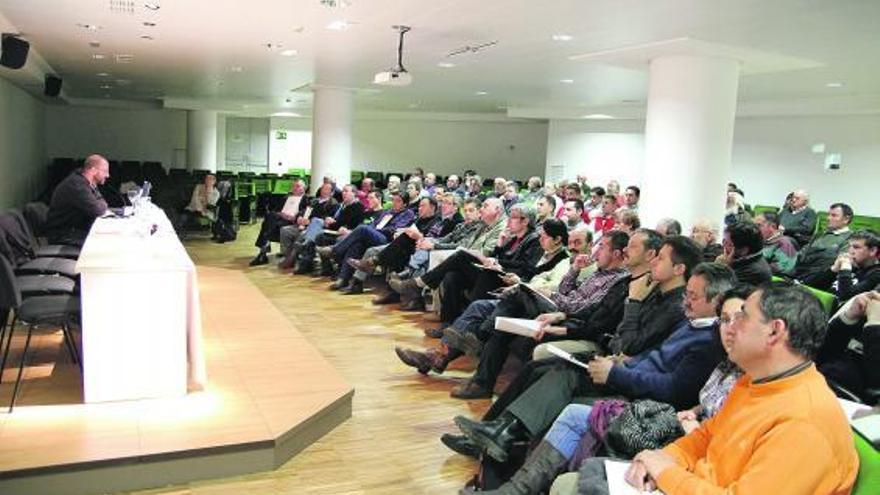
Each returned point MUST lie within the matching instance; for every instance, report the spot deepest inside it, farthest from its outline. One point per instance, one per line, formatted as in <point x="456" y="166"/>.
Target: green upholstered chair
<point x="758" y="209"/>
<point x="282" y="186"/>
<point x="868" y="481"/>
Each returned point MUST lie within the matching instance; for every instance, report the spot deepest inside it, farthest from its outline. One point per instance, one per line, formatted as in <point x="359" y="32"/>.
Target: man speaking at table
<point x="76" y="203"/>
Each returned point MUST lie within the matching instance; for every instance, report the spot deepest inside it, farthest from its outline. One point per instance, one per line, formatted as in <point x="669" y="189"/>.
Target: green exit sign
<point x="280" y="135"/>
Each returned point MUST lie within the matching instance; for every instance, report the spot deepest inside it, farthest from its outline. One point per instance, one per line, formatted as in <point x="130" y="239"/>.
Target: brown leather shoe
<point x="364" y="265"/>
<point x="418" y="360"/>
<point x="389" y="298"/>
<point x="470" y="390"/>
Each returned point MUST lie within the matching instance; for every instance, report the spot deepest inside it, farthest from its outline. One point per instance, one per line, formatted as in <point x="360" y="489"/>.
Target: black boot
<point x="535" y="476"/>
<point x="460" y="444"/>
<point x="496" y="436"/>
<point x="353" y="287"/>
<point x="260" y="259"/>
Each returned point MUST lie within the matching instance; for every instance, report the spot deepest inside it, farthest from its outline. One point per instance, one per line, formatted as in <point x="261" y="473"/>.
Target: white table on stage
<point x="141" y="321"/>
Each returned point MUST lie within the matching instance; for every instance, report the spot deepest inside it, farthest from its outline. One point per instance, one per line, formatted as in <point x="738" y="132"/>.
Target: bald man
<point x="76" y="203"/>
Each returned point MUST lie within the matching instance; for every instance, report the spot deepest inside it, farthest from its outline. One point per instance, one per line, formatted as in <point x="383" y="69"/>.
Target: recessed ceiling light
<point x="336" y="4"/>
<point x="562" y="37"/>
<point x="90" y="27"/>
<point x="282" y="114"/>
<point x="481" y="93"/>
<point x="338" y="25"/>
<point x="103" y="74"/>
<point x="106" y="86"/>
<point x="597" y="116"/>
<point x="446" y="65"/>
<point x="834" y="85"/>
<point x="123" y="58"/>
<point x="147" y="37"/>
<point x="567" y="81"/>
<point x="149" y="24"/>
<point x="98" y="56"/>
<point x="289" y="53"/>
<point x="152" y="6"/>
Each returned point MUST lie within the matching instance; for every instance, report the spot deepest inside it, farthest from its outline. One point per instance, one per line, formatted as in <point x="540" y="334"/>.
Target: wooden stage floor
<point x="283" y="356"/>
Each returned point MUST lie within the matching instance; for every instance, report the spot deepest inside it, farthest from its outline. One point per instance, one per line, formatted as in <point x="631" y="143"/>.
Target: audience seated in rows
<point x="639" y="308"/>
<point x="586" y="300"/>
<point x="294" y="206"/>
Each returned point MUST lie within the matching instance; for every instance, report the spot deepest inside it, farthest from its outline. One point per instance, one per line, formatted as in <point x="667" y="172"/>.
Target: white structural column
<point x="331" y="134"/>
<point x="201" y="140"/>
<point x="688" y="138"/>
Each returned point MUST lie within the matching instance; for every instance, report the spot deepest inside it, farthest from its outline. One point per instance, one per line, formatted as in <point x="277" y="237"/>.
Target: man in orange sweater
<point x="781" y="430"/>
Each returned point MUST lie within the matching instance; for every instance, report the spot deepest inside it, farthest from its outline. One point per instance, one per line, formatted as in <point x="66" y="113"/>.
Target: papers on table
<point x="615" y="472"/>
<point x="517" y="326"/>
<point x="552" y="349"/>
<point x="331" y="232"/>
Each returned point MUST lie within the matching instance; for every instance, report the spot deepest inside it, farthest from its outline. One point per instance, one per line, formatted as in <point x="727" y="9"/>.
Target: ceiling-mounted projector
<point x="396" y="76"/>
<point x="393" y="78"/>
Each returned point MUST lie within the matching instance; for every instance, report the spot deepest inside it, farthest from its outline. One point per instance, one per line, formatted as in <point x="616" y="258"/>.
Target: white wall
<point x="120" y="134"/>
<point x="515" y="149"/>
<point x="771" y="156"/>
<point x="600" y="150"/>
<point x="23" y="159"/>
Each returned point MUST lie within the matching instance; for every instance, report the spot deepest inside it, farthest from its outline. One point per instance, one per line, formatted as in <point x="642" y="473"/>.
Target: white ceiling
<point x="802" y="46"/>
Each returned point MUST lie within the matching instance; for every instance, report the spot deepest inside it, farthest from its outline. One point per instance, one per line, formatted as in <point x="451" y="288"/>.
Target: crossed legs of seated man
<point x="455" y="340"/>
<point x="455" y="277"/>
<point x="269" y="230"/>
<point x="533" y="411"/>
<point x="353" y="246"/>
<point x="550" y="457"/>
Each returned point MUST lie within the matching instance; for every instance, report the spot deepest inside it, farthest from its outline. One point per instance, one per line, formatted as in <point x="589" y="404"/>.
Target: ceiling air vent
<point x="122" y="6"/>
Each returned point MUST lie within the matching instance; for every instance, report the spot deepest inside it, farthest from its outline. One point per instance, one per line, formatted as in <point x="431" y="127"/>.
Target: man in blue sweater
<point x="673" y="373"/>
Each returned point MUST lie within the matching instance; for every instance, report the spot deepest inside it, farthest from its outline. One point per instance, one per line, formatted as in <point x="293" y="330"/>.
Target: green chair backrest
<point x="282" y="186"/>
<point x="821" y="222"/>
<point x="262" y="185"/>
<point x="356" y="176"/>
<point x="299" y="172"/>
<point x="862" y="222"/>
<point x="868" y="479"/>
<point x="758" y="209"/>
<point x="244" y="189"/>
<point x="827" y="299"/>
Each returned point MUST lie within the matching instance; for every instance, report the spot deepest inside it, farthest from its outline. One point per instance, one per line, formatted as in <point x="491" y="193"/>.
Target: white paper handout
<point x="437" y="256"/>
<point x="382" y="223"/>
<point x="517" y="326"/>
<point x="552" y="349"/>
<point x="615" y="472"/>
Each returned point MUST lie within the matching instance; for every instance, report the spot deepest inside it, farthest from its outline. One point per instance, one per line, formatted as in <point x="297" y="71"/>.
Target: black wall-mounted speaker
<point x="53" y="86"/>
<point x="14" y="52"/>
